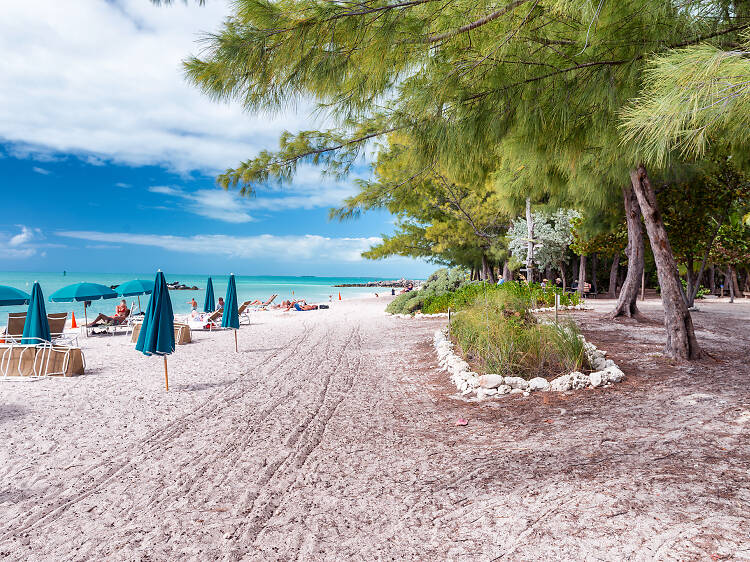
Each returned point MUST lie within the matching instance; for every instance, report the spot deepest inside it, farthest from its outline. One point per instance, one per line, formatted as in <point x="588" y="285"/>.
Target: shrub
<point x="441" y="282"/>
<point x="533" y="296"/>
<point x="500" y="336"/>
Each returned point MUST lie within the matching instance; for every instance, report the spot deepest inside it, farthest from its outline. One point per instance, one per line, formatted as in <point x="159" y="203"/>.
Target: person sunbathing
<point x="121" y="314"/>
<point x="220" y="306"/>
<point x="305" y="306"/>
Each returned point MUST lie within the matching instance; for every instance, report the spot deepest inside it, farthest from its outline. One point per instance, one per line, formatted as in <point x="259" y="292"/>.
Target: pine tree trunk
<point x="594" y="266"/>
<point x="487" y="274"/>
<point x="613" y="276"/>
<point x="712" y="278"/>
<point x="530" y="247"/>
<point x="562" y="275"/>
<point x="506" y="272"/>
<point x="582" y="275"/>
<point x="626" y="304"/>
<point x="689" y="294"/>
<point x="728" y="282"/>
<point x="735" y="282"/>
<point x="681" y="341"/>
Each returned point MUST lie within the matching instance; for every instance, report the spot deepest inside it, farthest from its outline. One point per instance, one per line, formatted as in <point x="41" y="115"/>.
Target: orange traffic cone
<point x="339" y="295"/>
<point x="73" y="321"/>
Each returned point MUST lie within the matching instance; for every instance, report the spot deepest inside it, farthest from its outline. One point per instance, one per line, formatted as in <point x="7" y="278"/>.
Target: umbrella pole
<point x="166" y="376"/>
<point x="139" y="303"/>
<point x="235" y="341"/>
<point x="85" y="320"/>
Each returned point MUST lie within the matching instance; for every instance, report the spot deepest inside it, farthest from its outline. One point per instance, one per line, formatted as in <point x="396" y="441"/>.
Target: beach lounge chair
<point x="57" y="332"/>
<point x="40" y="360"/>
<point x="212" y="322"/>
<point x="14" y="330"/>
<point x="266" y="304"/>
<point x="243" y="312"/>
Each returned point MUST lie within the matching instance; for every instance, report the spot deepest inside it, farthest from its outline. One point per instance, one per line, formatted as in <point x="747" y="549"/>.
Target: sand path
<point x="332" y="437"/>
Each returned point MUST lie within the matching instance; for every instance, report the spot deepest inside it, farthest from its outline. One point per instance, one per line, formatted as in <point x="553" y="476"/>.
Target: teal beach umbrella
<point x="83" y="292"/>
<point x="157" y="330"/>
<point x="36" y="326"/>
<point x="231" y="317"/>
<point x="10" y="296"/>
<point x="209" y="305"/>
<point x="136" y="288"/>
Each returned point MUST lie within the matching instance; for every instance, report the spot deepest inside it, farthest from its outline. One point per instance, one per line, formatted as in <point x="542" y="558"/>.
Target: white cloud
<point x="20" y="245"/>
<point x="215" y="204"/>
<point x="42" y="171"/>
<point x="23" y="237"/>
<point x="107" y="84"/>
<point x="307" y="247"/>
<point x="123" y="185"/>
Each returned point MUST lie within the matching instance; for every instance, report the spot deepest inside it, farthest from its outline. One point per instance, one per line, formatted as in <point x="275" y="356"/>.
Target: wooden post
<point x="557" y="302"/>
<point x="166" y="376"/>
<point x="449" y="316"/>
<point x="235" y="341"/>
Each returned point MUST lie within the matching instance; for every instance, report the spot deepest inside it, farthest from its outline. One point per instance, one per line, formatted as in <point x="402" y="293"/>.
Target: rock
<point x="516" y="391"/>
<point x="481" y="394"/>
<point x="560" y="384"/>
<point x="614" y="374"/>
<point x="599" y="363"/>
<point x="504" y="389"/>
<point x="538" y="383"/>
<point x="490" y="391"/>
<point x="578" y="380"/>
<point x="526" y="393"/>
<point x="517" y="383"/>
<point x="490" y="381"/>
<point x="596" y="378"/>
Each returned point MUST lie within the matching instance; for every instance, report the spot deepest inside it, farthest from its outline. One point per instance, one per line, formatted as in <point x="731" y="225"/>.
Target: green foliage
<point x="527" y="296"/>
<point x="439" y="283"/>
<point x="552" y="234"/>
<point x="500" y="336"/>
<point x="691" y="96"/>
<point x="700" y="294"/>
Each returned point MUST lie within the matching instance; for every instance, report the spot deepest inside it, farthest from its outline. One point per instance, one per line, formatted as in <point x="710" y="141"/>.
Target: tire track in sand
<point x="259" y="508"/>
<point x="161" y="438"/>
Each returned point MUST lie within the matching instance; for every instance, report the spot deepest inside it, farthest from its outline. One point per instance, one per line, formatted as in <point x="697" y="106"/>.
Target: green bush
<point x="498" y="334"/>
<point x="534" y="296"/>
<point x="439" y="283"/>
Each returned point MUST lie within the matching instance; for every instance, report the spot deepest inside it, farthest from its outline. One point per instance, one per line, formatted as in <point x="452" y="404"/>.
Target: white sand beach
<point x="331" y="436"/>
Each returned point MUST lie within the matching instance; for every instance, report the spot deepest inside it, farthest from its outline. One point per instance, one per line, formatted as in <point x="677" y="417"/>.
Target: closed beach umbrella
<point x="136" y="288"/>
<point x="209" y="305"/>
<point x="83" y="292"/>
<point x="157" y="330"/>
<point x="36" y="326"/>
<point x="10" y="296"/>
<point x="231" y="317"/>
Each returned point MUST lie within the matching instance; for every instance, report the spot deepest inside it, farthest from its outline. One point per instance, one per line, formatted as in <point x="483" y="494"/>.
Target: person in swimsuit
<point x="121" y="313"/>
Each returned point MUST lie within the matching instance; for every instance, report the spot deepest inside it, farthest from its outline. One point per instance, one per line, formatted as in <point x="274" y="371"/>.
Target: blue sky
<point x="108" y="158"/>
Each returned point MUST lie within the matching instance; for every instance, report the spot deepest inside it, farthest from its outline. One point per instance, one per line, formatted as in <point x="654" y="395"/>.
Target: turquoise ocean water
<point x="313" y="289"/>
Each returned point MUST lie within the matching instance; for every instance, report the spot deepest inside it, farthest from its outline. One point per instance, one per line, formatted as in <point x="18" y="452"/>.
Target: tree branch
<point x="475" y="24"/>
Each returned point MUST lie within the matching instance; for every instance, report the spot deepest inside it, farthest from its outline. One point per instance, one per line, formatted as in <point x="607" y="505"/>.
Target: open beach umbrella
<point x="209" y="305"/>
<point x="83" y="292"/>
<point x="10" y="296"/>
<point x="136" y="288"/>
<point x="157" y="330"/>
<point x="231" y="317"/>
<point x="36" y="326"/>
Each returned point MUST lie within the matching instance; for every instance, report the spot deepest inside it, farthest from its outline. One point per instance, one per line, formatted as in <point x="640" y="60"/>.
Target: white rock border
<point x="468" y="382"/>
